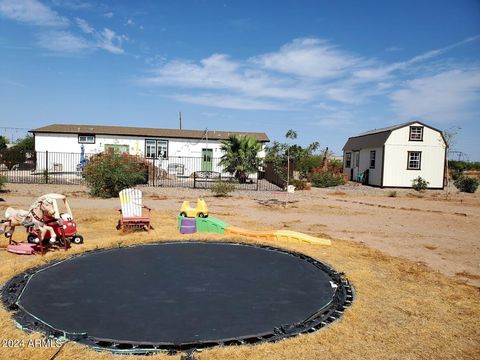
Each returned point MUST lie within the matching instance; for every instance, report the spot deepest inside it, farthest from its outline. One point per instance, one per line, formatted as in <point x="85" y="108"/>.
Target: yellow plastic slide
<point x="277" y="235"/>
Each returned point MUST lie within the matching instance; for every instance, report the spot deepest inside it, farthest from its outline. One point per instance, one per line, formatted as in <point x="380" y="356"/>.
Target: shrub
<point x="467" y="184"/>
<point x="3" y="180"/>
<point x="420" y="184"/>
<point x="456" y="173"/>
<point x="300" y="184"/>
<point x="307" y="163"/>
<point x="108" y="173"/>
<point x="222" y="188"/>
<point x="392" y="194"/>
<point x="327" y="178"/>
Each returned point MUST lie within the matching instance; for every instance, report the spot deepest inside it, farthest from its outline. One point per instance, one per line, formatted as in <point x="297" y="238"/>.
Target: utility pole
<point x="180" y="118"/>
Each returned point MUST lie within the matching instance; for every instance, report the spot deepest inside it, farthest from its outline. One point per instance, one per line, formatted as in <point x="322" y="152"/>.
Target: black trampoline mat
<point x="182" y="292"/>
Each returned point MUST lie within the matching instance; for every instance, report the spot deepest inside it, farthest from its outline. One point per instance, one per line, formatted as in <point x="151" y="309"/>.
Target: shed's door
<point x="356" y="164"/>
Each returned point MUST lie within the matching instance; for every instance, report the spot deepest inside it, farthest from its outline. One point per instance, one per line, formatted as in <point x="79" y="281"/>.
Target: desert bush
<point x="420" y="184"/>
<point x="392" y="194"/>
<point x="456" y="173"/>
<point x="222" y="188"/>
<point x="108" y="173"/>
<point x="300" y="184"/>
<point x="467" y="184"/>
<point x="327" y="178"/>
<point x="463" y="165"/>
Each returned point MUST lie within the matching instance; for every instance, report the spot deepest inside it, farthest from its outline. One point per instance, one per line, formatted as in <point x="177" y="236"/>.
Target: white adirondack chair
<point x="131" y="211"/>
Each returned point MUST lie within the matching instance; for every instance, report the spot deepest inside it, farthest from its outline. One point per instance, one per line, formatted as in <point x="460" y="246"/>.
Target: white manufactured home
<point x="394" y="156"/>
<point x="180" y="152"/>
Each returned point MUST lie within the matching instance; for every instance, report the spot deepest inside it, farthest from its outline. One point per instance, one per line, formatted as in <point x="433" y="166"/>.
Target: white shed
<point x="395" y="155"/>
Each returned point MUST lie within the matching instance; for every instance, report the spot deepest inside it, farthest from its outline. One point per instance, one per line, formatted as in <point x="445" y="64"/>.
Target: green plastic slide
<point x="211" y="225"/>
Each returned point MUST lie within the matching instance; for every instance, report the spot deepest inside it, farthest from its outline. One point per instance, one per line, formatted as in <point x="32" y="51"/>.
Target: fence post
<point x="45" y="173"/>
<point x="258" y="178"/>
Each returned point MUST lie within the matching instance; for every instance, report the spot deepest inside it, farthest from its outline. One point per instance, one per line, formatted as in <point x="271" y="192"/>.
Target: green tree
<point x="3" y="142"/>
<point x="240" y="156"/>
<point x="26" y="144"/>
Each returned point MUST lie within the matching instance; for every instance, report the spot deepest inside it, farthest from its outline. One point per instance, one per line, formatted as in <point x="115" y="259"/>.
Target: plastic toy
<point x="217" y="226"/>
<point x="200" y="210"/>
<point x="63" y="224"/>
<point x="187" y="225"/>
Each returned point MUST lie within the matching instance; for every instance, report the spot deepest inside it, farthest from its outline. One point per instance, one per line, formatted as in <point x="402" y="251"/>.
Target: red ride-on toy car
<point x="64" y="227"/>
<point x="62" y="223"/>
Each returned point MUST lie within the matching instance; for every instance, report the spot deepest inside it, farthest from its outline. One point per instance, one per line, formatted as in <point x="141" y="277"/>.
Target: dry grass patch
<point x="402" y="309"/>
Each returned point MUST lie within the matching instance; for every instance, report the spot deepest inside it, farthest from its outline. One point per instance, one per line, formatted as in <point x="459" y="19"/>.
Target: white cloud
<point x="445" y="97"/>
<point x="31" y="12"/>
<point x="108" y="40"/>
<point x="307" y="74"/>
<point x="228" y="102"/>
<point x="84" y="26"/>
<point x="380" y="73"/>
<point x="313" y="58"/>
<point x="68" y="42"/>
<point x="108" y="15"/>
<point x="219" y="72"/>
<point x="62" y="42"/>
<point x="73" y="4"/>
<point x="338" y="119"/>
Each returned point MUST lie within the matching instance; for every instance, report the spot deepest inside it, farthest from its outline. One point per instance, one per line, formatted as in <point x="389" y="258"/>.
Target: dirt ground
<point x="413" y="260"/>
<point x="438" y="228"/>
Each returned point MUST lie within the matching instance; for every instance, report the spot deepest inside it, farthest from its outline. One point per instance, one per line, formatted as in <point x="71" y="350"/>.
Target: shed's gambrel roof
<point x="378" y="137"/>
<point x="146" y="132"/>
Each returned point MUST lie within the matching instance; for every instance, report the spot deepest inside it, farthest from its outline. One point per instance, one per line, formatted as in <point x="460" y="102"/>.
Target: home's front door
<point x="207" y="155"/>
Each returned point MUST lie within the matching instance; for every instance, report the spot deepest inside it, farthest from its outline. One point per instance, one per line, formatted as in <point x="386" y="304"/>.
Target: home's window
<point x="414" y="160"/>
<point x="156" y="149"/>
<point x="116" y="148"/>
<point x="416" y="133"/>
<point x="357" y="159"/>
<point x="86" y="139"/>
<point x="373" y="155"/>
<point x="348" y="160"/>
<point x="162" y="146"/>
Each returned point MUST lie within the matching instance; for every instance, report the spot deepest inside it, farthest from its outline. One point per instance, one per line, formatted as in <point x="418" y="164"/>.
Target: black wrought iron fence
<point x="66" y="168"/>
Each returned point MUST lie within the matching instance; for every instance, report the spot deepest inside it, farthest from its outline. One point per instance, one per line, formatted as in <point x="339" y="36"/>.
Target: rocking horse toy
<point x="44" y="223"/>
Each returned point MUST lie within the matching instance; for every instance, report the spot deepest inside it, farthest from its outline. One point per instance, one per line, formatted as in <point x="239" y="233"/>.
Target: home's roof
<point x="147" y="132"/>
<point x="377" y="137"/>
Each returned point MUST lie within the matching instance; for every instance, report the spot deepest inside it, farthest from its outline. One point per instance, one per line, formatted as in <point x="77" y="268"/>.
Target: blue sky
<point x="328" y="69"/>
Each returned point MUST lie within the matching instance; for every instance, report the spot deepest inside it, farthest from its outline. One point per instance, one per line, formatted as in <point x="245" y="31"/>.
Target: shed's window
<point x="373" y="155"/>
<point x="416" y="133"/>
<point x="414" y="160"/>
<point x="348" y="160"/>
<point x="86" y="139"/>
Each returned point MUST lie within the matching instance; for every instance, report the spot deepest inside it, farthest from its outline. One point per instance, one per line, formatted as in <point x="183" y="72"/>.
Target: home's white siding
<point x="397" y="147"/>
<point x="58" y="144"/>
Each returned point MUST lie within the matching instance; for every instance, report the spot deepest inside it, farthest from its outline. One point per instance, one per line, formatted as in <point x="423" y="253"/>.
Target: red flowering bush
<point x="331" y="175"/>
<point x="108" y="173"/>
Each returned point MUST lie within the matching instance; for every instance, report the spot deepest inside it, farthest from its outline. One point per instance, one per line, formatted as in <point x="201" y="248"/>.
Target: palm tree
<point x="240" y="156"/>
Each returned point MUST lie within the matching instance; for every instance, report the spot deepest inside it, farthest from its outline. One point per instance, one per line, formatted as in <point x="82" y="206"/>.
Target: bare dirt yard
<point x="413" y="259"/>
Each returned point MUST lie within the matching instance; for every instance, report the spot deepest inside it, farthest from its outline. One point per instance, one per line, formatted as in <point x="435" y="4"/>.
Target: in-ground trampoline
<point x="178" y="296"/>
